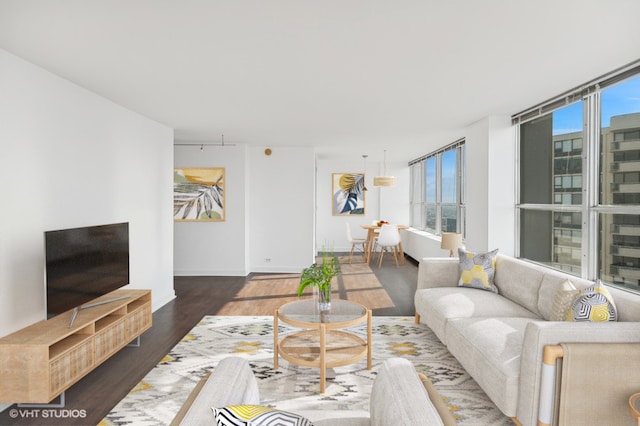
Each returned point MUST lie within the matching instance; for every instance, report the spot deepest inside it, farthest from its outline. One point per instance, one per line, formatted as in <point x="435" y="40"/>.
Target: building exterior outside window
<point x="579" y="185"/>
<point x="620" y="233"/>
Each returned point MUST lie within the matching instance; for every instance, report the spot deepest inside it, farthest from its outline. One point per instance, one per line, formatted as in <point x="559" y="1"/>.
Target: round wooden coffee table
<point x="322" y="344"/>
<point x="634" y="407"/>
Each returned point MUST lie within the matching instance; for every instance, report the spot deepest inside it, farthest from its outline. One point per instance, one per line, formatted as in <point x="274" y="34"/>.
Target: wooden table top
<point x="372" y="226"/>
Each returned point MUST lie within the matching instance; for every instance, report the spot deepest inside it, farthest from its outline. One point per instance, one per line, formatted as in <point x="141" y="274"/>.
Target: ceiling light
<point x="203" y="144"/>
<point x="364" y="173"/>
<point x="384" y="180"/>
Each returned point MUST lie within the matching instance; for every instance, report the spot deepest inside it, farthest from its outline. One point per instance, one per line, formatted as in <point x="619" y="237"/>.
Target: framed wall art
<point x="199" y="194"/>
<point x="348" y="194"/>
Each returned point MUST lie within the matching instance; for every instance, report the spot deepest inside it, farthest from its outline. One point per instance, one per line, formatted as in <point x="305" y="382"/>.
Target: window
<point x="579" y="181"/>
<point x="437" y="192"/>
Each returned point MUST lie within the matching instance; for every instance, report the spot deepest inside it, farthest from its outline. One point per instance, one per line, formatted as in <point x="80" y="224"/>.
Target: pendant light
<point x="384" y="180"/>
<point x="364" y="173"/>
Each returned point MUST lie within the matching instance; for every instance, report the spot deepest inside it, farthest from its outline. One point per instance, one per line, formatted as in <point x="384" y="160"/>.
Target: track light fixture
<point x="203" y="144"/>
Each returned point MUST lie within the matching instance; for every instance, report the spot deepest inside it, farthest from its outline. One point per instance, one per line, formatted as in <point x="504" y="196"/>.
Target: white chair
<point x="354" y="242"/>
<point x="389" y="238"/>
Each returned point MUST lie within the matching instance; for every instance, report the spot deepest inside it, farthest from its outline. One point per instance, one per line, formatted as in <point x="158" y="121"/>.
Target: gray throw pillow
<point x="477" y="270"/>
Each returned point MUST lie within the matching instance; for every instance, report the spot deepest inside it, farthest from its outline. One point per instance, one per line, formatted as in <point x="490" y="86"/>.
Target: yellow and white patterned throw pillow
<point x="594" y="304"/>
<point x="256" y="415"/>
<point x="477" y="270"/>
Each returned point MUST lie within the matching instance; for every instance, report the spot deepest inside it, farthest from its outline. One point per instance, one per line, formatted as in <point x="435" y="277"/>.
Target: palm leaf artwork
<point x="198" y="194"/>
<point x="348" y="197"/>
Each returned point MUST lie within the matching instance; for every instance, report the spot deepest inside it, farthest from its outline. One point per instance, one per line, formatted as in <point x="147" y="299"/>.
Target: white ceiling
<point x="350" y="76"/>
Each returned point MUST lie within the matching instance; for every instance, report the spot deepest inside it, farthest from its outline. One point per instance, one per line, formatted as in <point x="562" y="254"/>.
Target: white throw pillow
<point x="562" y="301"/>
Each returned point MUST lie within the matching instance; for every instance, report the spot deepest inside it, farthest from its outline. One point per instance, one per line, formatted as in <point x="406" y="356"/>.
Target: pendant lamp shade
<point x="384" y="180"/>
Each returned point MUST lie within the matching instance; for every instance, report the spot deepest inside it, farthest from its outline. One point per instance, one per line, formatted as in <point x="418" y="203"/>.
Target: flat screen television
<point x="82" y="264"/>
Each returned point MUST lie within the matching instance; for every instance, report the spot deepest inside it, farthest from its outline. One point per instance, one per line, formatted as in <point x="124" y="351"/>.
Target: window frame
<point x="592" y="207"/>
<point x="419" y="195"/>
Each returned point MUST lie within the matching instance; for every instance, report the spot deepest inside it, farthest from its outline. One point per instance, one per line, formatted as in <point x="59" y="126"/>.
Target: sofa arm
<point x="231" y="383"/>
<point x="398" y="396"/>
<point x="538" y="334"/>
<point x="438" y="272"/>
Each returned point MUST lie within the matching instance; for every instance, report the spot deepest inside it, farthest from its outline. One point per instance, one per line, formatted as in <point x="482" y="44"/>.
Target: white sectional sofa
<point x="499" y="338"/>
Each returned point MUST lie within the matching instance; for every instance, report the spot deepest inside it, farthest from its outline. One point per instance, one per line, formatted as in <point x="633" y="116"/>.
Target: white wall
<point x="390" y="204"/>
<point x="490" y="216"/>
<point x="279" y="206"/>
<point x="214" y="248"/>
<point x="490" y="148"/>
<point x="281" y="209"/>
<point x="70" y="158"/>
<point x="502" y="185"/>
<point x="278" y="210"/>
<point x="419" y="244"/>
<point x="394" y="201"/>
<point x="477" y="151"/>
<point x="286" y="216"/>
<point x="269" y="224"/>
<point x="490" y="178"/>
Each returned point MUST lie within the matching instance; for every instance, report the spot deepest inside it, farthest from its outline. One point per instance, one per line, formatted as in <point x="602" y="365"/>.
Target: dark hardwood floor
<point x="91" y="399"/>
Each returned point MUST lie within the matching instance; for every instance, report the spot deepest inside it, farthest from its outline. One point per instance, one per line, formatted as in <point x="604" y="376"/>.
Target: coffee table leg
<point x="323" y="359"/>
<point x="275" y="340"/>
<point x="369" y="339"/>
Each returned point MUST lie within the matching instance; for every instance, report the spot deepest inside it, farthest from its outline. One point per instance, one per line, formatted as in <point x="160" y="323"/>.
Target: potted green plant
<point x="320" y="276"/>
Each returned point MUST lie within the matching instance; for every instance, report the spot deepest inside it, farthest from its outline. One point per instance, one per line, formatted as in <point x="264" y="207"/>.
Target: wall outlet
<point x="267" y="259"/>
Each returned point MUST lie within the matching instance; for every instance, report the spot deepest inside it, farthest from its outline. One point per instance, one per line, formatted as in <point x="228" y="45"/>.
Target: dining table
<point x="372" y="229"/>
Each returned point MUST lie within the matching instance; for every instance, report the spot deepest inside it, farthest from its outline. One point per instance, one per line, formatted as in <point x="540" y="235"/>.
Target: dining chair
<point x="388" y="238"/>
<point x="354" y="242"/>
<point x="376" y="232"/>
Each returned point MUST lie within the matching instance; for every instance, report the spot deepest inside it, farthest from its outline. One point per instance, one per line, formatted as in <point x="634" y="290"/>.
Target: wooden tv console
<point x="41" y="361"/>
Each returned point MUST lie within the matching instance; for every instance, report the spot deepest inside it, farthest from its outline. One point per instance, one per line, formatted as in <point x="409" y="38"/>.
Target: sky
<point x="622" y="98"/>
<point x="449" y="175"/>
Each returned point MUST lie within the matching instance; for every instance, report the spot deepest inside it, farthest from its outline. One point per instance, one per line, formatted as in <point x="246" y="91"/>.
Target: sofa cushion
<point x="489" y="350"/>
<point x="594" y="304"/>
<point x="519" y="281"/>
<point x="256" y="415"/>
<point x="551" y="282"/>
<point x="477" y="270"/>
<point x="437" y="305"/>
<point x="564" y="298"/>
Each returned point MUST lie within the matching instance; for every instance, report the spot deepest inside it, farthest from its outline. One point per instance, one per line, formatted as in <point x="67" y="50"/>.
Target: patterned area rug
<point x="159" y="396"/>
